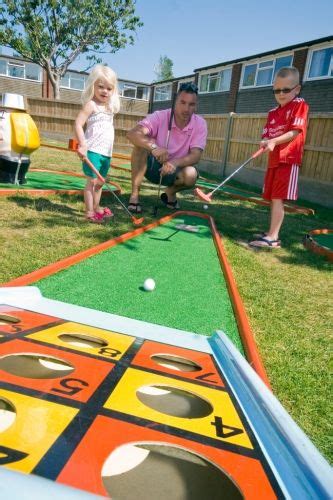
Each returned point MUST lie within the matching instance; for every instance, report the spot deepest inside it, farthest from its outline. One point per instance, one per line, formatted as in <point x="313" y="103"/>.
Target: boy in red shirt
<point x="283" y="139"/>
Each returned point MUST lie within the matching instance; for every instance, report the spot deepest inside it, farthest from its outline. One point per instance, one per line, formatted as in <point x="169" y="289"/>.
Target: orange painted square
<point x="28" y="319"/>
<point x="87" y="375"/>
<point x="84" y="468"/>
<point x="208" y="374"/>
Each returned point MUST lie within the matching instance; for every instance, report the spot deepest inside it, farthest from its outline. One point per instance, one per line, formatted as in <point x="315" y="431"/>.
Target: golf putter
<point x="136" y="221"/>
<point x="207" y="197"/>
<point x="155" y="209"/>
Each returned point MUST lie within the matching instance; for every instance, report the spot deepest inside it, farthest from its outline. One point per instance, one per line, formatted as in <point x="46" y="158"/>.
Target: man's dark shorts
<point x="153" y="173"/>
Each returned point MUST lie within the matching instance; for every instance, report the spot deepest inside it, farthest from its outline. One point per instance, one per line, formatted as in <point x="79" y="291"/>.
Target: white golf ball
<point x="149" y="285"/>
<point x="205" y="207"/>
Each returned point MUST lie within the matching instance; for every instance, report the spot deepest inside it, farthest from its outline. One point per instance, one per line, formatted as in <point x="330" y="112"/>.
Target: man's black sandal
<point x="173" y="205"/>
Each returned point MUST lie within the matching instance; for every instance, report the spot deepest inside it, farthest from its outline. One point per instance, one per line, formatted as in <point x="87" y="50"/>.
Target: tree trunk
<point x="56" y="87"/>
<point x="54" y="79"/>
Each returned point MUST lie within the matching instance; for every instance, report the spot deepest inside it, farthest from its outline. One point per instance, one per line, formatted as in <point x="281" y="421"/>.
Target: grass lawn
<point x="287" y="293"/>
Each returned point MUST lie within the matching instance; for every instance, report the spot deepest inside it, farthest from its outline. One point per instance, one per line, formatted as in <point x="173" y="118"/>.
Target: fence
<point x="56" y="119"/>
<point x="231" y="137"/>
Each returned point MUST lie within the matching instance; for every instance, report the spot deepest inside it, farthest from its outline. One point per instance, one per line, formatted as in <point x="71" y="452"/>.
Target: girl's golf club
<point x="135" y="221"/>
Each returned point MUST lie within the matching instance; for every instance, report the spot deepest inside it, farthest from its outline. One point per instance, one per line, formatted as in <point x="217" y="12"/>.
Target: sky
<point x="197" y="33"/>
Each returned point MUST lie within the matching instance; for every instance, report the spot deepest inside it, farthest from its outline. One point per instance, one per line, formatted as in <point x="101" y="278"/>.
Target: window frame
<point x="135" y="86"/>
<point x="216" y="75"/>
<point x="257" y="62"/>
<point x="169" y="93"/>
<point x="21" y="64"/>
<point x="75" y="76"/>
<point x="309" y="62"/>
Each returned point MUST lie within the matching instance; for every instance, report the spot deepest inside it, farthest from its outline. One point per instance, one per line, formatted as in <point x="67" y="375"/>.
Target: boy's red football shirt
<point x="292" y="116"/>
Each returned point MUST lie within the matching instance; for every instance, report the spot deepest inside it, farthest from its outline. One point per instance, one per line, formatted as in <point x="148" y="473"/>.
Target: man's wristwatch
<point x="153" y="146"/>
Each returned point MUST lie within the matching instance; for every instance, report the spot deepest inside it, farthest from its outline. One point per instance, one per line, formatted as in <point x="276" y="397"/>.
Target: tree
<point x="163" y="69"/>
<point x="54" y="33"/>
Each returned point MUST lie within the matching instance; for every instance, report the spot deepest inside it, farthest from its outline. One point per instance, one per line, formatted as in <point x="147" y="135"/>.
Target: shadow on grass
<point x="43" y="204"/>
<point x="235" y="219"/>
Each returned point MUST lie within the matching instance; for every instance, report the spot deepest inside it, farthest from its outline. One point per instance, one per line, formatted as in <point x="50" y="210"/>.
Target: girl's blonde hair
<point x="101" y="72"/>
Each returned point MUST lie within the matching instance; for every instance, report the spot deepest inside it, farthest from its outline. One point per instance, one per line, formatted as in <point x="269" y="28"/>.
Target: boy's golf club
<point x="207" y="197"/>
<point x="166" y="147"/>
<point x="135" y="221"/>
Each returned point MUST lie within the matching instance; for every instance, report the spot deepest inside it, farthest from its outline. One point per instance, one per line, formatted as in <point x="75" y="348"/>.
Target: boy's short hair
<point x="288" y="71"/>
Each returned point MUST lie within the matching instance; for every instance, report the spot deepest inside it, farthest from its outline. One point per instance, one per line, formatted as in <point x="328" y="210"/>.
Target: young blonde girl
<point x="100" y="101"/>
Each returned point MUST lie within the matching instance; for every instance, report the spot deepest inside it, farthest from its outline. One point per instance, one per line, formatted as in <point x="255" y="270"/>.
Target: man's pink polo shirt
<point x="181" y="141"/>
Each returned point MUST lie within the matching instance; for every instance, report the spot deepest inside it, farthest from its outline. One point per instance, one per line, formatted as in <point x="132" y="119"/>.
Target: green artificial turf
<point x="190" y="293"/>
<point x="50" y="180"/>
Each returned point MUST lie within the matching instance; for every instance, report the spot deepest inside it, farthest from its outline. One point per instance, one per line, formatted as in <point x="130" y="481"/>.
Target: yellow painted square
<point x="116" y="343"/>
<point x="124" y="399"/>
<point x="37" y="425"/>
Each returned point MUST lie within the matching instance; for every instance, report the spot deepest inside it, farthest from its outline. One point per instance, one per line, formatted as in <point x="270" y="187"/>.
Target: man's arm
<point x="192" y="158"/>
<point x="139" y="136"/>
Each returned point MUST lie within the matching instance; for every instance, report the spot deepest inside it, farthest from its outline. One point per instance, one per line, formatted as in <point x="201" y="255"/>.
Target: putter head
<point x="136" y="221"/>
<point x="203" y="196"/>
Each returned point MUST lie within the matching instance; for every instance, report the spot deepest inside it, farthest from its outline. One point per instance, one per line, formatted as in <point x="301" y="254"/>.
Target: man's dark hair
<point x="189" y="87"/>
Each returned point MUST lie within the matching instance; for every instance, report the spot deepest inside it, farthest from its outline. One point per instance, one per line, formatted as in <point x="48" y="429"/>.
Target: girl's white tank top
<point x="99" y="131"/>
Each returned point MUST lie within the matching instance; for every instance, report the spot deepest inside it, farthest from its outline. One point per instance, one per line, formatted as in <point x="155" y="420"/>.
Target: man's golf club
<point x="166" y="147"/>
<point x="135" y="221"/>
<point x="207" y="197"/>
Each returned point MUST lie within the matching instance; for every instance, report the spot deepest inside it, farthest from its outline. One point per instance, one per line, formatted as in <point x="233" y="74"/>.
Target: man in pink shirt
<point x="152" y="156"/>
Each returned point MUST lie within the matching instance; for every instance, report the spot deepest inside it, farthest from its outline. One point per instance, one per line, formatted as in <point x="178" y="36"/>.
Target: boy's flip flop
<point x="134" y="208"/>
<point x="265" y="243"/>
<point x="173" y="205"/>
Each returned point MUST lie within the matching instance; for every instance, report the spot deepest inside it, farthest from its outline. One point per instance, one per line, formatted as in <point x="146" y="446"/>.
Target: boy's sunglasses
<point x="188" y="87"/>
<point x="283" y="91"/>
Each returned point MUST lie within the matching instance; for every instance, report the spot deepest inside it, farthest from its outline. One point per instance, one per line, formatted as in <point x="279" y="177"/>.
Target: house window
<point x="321" y="64"/>
<point x="133" y="91"/>
<point x="129" y="91"/>
<point x="262" y="73"/>
<point x="142" y="93"/>
<point x="16" y="70"/>
<point x="32" y="72"/>
<point x="73" y="81"/>
<point x="28" y="71"/>
<point x="3" y="67"/>
<point x="215" y="82"/>
<point x="163" y="92"/>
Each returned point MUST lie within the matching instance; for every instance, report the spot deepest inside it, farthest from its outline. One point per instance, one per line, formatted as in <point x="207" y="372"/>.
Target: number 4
<point x="220" y="429"/>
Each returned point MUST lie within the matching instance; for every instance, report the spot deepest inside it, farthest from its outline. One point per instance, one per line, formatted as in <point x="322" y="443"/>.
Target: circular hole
<point x="34" y="365"/>
<point x="82" y="340"/>
<point x="8" y="318"/>
<point x="7" y="414"/>
<point x="144" y="471"/>
<point x="176" y="363"/>
<point x="173" y="401"/>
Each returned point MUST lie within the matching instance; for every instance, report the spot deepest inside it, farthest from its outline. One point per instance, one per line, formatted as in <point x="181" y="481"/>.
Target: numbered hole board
<point x="106" y="412"/>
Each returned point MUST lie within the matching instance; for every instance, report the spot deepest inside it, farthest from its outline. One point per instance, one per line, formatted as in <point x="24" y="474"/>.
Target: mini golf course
<point x="227" y="190"/>
<point x="136" y="394"/>
<point x="50" y="182"/>
<point x="320" y="241"/>
<point x="129" y="394"/>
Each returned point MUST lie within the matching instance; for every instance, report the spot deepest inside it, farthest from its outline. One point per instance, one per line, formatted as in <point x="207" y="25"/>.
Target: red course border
<point x="314" y="246"/>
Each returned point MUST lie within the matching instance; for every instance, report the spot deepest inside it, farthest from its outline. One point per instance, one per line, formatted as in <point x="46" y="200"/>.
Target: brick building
<point x="23" y="77"/>
<point x="245" y="85"/>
